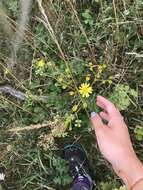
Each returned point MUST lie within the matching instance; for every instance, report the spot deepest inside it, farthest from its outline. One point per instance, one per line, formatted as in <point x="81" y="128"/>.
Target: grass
<point x="66" y="44"/>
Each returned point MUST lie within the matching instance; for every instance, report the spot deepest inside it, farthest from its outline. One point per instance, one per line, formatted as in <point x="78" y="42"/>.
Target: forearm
<point x="115" y="144"/>
<point x="132" y="174"/>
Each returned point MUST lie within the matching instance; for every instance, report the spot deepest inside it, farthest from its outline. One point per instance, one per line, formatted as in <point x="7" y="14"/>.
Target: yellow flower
<point x="41" y="63"/>
<point x="87" y="78"/>
<point x="74" y="108"/>
<point x="71" y="93"/>
<point x="85" y="90"/>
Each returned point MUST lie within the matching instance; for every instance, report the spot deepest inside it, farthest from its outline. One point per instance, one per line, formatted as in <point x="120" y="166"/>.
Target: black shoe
<point x="79" y="169"/>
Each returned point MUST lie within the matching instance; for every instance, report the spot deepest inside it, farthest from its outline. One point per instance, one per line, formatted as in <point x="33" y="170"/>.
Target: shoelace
<point x="77" y="169"/>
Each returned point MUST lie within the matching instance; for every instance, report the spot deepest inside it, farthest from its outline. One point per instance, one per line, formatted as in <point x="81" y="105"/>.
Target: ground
<point x="51" y="70"/>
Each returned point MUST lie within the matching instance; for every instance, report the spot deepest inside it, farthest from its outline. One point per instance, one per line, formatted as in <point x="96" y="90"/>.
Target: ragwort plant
<point x="79" y="50"/>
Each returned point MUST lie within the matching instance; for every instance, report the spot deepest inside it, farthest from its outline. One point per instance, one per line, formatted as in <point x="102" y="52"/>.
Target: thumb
<point x="97" y="123"/>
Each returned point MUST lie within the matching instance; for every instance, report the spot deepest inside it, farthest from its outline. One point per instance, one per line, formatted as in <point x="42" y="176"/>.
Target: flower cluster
<point x="41" y="63"/>
<point x="40" y="67"/>
<point x="63" y="78"/>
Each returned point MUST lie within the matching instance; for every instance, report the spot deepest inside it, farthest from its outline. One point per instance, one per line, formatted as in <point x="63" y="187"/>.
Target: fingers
<point x="107" y="106"/>
<point x="96" y="120"/>
<point x="104" y="116"/>
<point x="97" y="123"/>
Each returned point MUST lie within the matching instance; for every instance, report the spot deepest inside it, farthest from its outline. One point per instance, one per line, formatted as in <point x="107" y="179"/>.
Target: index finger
<point x="108" y="106"/>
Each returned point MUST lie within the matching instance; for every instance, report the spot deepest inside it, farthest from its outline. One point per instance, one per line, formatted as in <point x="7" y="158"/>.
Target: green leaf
<point x="133" y="93"/>
<point x="120" y="96"/>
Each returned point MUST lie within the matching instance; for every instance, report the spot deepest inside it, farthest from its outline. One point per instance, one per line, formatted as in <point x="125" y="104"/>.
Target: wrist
<point x="131" y="171"/>
<point x="138" y="185"/>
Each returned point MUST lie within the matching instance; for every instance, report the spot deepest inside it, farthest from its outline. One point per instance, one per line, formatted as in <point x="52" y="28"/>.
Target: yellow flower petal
<point x="85" y="90"/>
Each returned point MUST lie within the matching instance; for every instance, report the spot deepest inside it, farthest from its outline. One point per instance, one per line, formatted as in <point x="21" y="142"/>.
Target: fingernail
<point x="93" y="114"/>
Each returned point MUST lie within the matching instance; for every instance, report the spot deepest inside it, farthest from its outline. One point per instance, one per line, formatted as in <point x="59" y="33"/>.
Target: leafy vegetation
<point x="71" y="52"/>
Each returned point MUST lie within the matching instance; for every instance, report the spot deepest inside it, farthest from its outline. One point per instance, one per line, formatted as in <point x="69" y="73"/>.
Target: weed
<point x="72" y="51"/>
<point x="61" y="171"/>
<point x="109" y="185"/>
<point x="88" y="19"/>
<point x="121" y="96"/>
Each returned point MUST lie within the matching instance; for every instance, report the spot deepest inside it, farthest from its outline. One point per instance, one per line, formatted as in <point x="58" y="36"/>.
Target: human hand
<point x="114" y="142"/>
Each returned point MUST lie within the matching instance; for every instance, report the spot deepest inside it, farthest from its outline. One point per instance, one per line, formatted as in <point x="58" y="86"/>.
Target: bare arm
<point x="115" y="144"/>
